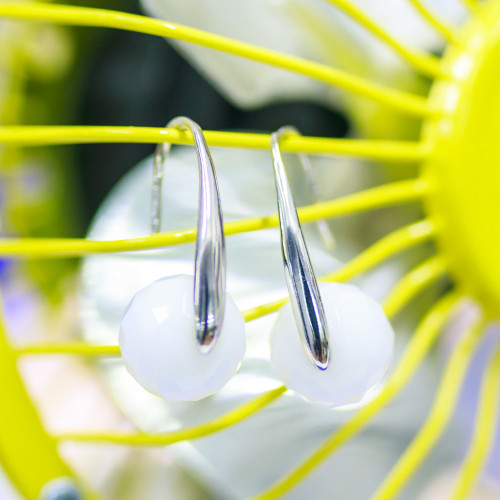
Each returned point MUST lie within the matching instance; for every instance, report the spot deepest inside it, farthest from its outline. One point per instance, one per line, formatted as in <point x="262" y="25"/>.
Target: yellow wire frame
<point x="215" y="425"/>
<point x="400" y="151"/>
<point x="417" y="349"/>
<point x="439" y="416"/>
<point x="484" y="430"/>
<point x="439" y="25"/>
<point x="27" y="453"/>
<point x="420" y="277"/>
<point x="84" y="16"/>
<point x="402" y="293"/>
<point x="370" y="199"/>
<point x="427" y="64"/>
<point x="472" y="5"/>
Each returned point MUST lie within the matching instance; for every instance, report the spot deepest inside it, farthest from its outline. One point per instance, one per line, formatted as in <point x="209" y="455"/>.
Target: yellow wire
<point x="72" y="347"/>
<point x="417" y="349"/>
<point x="424" y="274"/>
<point x="377" y="197"/>
<point x="425" y="63"/>
<point x="404" y="151"/>
<point x="82" y="16"/>
<point x="438" y="24"/>
<point x="484" y="430"/>
<point x="438" y="418"/>
<point x="23" y="429"/>
<point x="386" y="247"/>
<point x="406" y="288"/>
<point x="471" y="5"/>
<point x="217" y="424"/>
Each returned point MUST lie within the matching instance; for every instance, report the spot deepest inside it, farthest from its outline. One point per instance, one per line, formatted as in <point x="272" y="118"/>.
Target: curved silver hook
<point x="210" y="257"/>
<point x="302" y="285"/>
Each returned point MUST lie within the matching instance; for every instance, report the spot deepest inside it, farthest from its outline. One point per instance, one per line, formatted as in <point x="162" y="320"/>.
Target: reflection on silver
<point x="210" y="257"/>
<point x="301" y="281"/>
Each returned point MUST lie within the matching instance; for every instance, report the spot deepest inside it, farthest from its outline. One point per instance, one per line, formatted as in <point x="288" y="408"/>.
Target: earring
<point x="183" y="337"/>
<point x="345" y="334"/>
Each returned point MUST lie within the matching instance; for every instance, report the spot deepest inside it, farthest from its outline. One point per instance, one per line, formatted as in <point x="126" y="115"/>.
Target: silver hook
<point x="210" y="256"/>
<point x="302" y="285"/>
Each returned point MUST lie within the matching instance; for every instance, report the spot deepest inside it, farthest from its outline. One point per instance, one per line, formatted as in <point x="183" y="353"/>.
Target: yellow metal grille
<point x="20" y="417"/>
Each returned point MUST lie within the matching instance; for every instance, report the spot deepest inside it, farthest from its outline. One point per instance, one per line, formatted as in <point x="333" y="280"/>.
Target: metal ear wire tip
<point x="302" y="285"/>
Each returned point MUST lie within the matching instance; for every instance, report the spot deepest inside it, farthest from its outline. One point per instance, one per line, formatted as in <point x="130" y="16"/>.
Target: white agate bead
<point x="159" y="347"/>
<point x="361" y="343"/>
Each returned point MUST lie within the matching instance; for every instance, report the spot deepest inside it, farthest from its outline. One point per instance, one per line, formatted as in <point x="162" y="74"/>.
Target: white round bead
<point x="159" y="347"/>
<point x="361" y="342"/>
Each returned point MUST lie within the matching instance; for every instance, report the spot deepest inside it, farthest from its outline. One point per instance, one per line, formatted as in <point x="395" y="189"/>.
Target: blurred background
<point x="56" y="75"/>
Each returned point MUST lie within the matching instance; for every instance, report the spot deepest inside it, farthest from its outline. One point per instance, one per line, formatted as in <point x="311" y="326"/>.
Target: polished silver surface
<point x="301" y="281"/>
<point x="210" y="257"/>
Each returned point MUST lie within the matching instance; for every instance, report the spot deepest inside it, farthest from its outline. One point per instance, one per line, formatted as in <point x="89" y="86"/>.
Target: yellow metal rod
<point x="215" y="425"/>
<point x="485" y="430"/>
<point x="28" y="454"/>
<point x="438" y="418"/>
<point x="83" y="16"/>
<point x="72" y="347"/>
<point x="439" y="25"/>
<point x="370" y="199"/>
<point x="427" y="64"/>
<point x="418" y="347"/>
<point x="420" y="277"/>
<point x="472" y="5"/>
<point x="400" y="151"/>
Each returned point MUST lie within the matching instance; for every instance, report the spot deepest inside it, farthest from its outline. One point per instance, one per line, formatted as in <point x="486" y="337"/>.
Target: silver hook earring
<point x="210" y="256"/>
<point x="183" y="337"/>
<point x="362" y="337"/>
<point x="302" y="285"/>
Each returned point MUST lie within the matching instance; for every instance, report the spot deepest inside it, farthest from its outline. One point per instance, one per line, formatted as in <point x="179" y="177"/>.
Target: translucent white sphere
<point x="159" y="347"/>
<point x="361" y="343"/>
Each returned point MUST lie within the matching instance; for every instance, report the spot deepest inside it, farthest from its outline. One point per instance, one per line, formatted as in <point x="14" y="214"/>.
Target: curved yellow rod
<point x="438" y="418"/>
<point x="217" y="424"/>
<point x="383" y="249"/>
<point x="72" y="347"/>
<point x="420" y="277"/>
<point x="27" y="453"/>
<point x="484" y="430"/>
<point x="386" y="247"/>
<point x="380" y="196"/>
<point x="427" y="64"/>
<point x="83" y="16"/>
<point x="417" y="349"/>
<point x="472" y="5"/>
<point x="401" y="151"/>
<point x="438" y="24"/>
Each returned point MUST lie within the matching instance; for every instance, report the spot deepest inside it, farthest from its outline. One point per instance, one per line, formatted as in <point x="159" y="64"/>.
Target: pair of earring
<point x="183" y="337"/>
